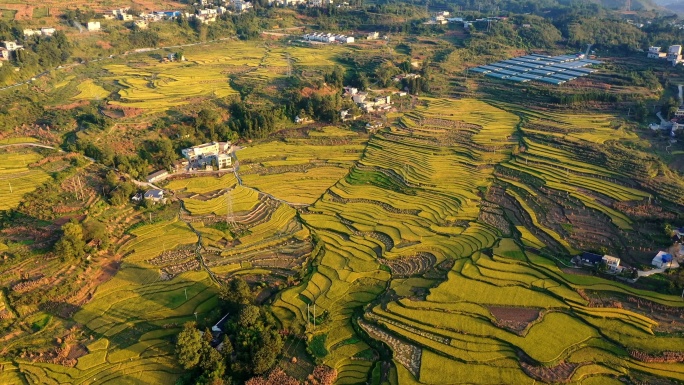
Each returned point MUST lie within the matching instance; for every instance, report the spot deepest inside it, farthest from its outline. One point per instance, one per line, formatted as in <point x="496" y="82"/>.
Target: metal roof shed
<point x="480" y="70"/>
<point x="563" y="77"/>
<point x="530" y="76"/>
<point x="500" y="65"/>
<point x="519" y="79"/>
<point x="519" y="68"/>
<point x="507" y="72"/>
<point x="527" y="64"/>
<point x="496" y="75"/>
<point x="551" y="80"/>
<point x="488" y="67"/>
<point x="541" y="71"/>
<point x="573" y="73"/>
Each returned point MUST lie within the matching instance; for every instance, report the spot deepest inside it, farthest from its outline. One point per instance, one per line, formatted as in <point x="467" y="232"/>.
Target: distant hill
<point x="637" y="5"/>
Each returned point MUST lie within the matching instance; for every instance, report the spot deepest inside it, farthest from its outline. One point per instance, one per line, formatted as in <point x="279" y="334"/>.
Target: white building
<point x="654" y="53"/>
<point x="4" y="54"/>
<point x="93" y="26"/>
<point x="224" y="161"/>
<point x="49" y="31"/>
<point x="674" y="54"/>
<point x="206" y="150"/>
<point x="12" y="45"/>
<point x="373" y="36"/>
<point x="242" y="6"/>
<point x="141" y="24"/>
<point x="328" y="38"/>
<point x="664" y="260"/>
<point x="613" y="263"/>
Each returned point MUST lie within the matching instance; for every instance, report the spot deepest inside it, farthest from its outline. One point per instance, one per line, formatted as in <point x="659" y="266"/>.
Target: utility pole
<point x="314" y="316"/>
<point x="186" y="293"/>
<point x="10" y="186"/>
<point x="308" y="315"/>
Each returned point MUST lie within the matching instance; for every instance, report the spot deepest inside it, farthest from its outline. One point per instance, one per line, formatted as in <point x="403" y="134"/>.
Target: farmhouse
<point x="205" y="150"/>
<point x="93" y="26"/>
<point x="12" y="45"/>
<point x="664" y="260"/>
<point x="157" y="176"/>
<point x="674" y="54"/>
<point x="208" y="154"/>
<point x="155" y="196"/>
<point x="613" y="263"/>
<point x="590" y="259"/>
<point x="359" y="97"/>
<point x="4" y="54"/>
<point x="350" y="91"/>
<point x="654" y="53"/>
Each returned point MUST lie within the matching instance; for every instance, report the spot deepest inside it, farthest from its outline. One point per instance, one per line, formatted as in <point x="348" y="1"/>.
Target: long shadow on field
<point x="164" y="307"/>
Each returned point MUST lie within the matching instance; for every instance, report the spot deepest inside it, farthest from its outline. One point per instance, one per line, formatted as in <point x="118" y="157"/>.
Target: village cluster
<point x="207" y="157"/>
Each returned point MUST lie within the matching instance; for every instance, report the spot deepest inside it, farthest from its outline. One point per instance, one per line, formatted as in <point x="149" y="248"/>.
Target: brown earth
<point x="516" y="319"/>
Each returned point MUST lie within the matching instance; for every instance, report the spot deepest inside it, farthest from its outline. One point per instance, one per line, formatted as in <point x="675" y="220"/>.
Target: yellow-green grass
<point x="297" y="187"/>
<point x="202" y="184"/>
<point x="88" y="90"/>
<point x="129" y="312"/>
<point x="242" y="200"/>
<point x="15" y="140"/>
<point x="169" y="85"/>
<point x="378" y="205"/>
<point x="17" y="178"/>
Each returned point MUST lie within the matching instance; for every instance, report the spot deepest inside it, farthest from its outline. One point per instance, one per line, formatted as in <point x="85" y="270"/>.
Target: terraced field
<point x="243" y="231"/>
<point x="432" y="201"/>
<point x="17" y="177"/>
<point x="132" y="316"/>
<point x="154" y="87"/>
<point x="300" y="169"/>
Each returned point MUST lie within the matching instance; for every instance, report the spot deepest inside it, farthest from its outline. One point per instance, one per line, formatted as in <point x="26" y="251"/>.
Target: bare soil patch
<point x="516" y="319"/>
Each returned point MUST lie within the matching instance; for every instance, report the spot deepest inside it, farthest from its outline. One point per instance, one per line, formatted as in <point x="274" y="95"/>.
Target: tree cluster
<point x="250" y="346"/>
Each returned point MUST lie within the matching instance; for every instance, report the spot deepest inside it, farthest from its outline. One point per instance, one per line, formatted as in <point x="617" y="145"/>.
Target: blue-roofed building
<point x="664" y="260"/>
<point x="590" y="259"/>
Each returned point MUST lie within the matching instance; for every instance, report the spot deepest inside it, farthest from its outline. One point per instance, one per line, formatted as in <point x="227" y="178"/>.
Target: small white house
<point x="49" y="31"/>
<point x="613" y="263"/>
<point x="664" y="260"/>
<point x="4" y="54"/>
<point x="156" y="196"/>
<point x="93" y="26"/>
<point x="12" y="45"/>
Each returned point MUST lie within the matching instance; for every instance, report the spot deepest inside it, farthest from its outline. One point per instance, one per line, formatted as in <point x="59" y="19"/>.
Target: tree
<point x="237" y="293"/>
<point x="71" y="245"/>
<point x="189" y="346"/>
<point x="249" y="315"/>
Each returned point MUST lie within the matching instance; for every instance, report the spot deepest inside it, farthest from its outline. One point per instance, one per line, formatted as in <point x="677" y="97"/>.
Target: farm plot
<point x="413" y="203"/>
<point x="300" y="170"/>
<point x="132" y="316"/>
<point x="477" y="317"/>
<point x="155" y="87"/>
<point x="18" y="177"/>
<point x="88" y="90"/>
<point x="243" y="231"/>
<point x="569" y="184"/>
<point x="388" y="210"/>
